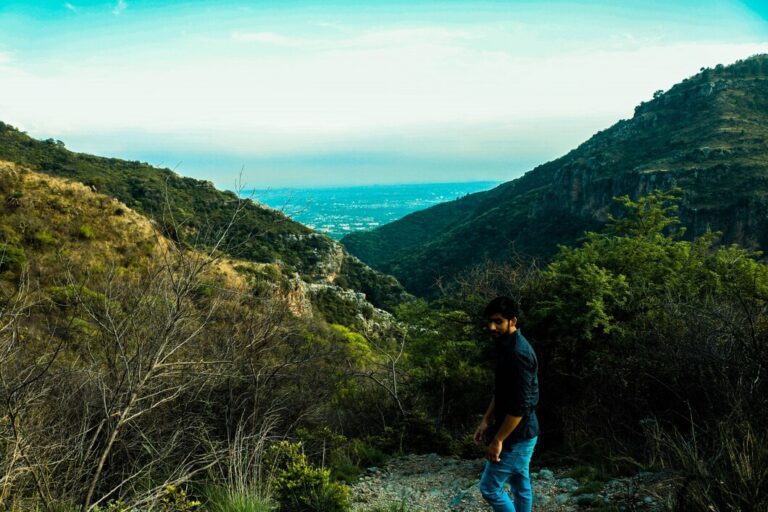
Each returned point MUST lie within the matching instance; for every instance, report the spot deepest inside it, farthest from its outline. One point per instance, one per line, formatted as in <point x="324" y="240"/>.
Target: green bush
<point x="300" y="487"/>
<point x="42" y="239"/>
<point x="86" y="232"/>
<point x="175" y="499"/>
<point x="11" y="258"/>
<point x="115" y="506"/>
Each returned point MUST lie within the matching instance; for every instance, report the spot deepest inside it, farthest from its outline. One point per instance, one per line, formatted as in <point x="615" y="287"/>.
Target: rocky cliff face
<point x="707" y="136"/>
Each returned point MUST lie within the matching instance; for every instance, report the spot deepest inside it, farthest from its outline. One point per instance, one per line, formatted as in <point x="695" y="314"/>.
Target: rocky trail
<point x="434" y="483"/>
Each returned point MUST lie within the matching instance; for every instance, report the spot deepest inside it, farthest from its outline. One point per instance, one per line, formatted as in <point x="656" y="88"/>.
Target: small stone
<point x="373" y="469"/>
<point x="457" y="499"/>
<point x="562" y="499"/>
<point x="648" y="500"/>
<point x="542" y="499"/>
<point x="546" y="474"/>
<point x="569" y="484"/>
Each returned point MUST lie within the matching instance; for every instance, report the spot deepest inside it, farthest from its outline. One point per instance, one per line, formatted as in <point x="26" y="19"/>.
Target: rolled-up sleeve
<point x="525" y="392"/>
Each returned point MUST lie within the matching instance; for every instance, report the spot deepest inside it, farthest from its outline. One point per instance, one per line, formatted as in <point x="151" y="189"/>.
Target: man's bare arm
<point x="509" y="424"/>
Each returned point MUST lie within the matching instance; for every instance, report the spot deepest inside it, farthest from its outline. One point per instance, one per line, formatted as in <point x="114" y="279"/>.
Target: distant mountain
<point x="193" y="212"/>
<point x="707" y="135"/>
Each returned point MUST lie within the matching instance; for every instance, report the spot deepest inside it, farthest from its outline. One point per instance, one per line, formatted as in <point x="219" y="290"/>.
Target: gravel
<point x="434" y="483"/>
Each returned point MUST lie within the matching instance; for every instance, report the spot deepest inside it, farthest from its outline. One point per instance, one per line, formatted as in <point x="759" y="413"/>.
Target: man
<point x="511" y="412"/>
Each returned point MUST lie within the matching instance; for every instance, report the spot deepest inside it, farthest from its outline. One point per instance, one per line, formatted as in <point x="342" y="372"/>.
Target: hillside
<point x="707" y="135"/>
<point x="194" y="212"/>
<point x="59" y="232"/>
<point x="126" y="355"/>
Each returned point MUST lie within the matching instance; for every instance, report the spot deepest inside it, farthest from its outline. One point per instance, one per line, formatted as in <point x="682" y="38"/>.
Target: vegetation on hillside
<point x="142" y="366"/>
<point x="652" y="351"/>
<point x="191" y="211"/>
<point x="706" y="135"/>
<point x="137" y="371"/>
<point x="140" y="371"/>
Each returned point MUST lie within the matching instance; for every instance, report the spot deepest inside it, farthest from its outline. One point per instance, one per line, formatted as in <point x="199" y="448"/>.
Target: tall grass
<point x="220" y="499"/>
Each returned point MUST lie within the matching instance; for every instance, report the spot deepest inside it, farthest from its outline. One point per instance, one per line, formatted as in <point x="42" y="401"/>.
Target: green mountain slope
<point x="707" y="135"/>
<point x="195" y="212"/>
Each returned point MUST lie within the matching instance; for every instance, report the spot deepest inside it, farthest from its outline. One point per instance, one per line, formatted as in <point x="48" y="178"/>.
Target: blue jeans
<point x="512" y="467"/>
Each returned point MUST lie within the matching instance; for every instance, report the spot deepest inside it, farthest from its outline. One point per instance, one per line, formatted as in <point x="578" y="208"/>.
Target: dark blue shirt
<point x="517" y="386"/>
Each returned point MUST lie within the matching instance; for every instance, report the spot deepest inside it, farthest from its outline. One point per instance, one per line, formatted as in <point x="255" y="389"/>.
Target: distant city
<point x="339" y="211"/>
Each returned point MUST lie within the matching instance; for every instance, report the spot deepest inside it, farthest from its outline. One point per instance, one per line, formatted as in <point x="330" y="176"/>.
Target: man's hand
<point x="480" y="432"/>
<point x="494" y="451"/>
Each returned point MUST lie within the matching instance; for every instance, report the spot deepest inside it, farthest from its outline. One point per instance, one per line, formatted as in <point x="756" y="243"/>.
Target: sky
<point x="310" y="93"/>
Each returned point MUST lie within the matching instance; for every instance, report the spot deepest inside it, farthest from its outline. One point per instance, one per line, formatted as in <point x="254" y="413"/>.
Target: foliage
<point x="175" y="499"/>
<point x="86" y="232"/>
<point x="300" y="487"/>
<point x="131" y="361"/>
<point x="695" y="136"/>
<point x="449" y="367"/>
<point x="191" y="211"/>
<point x="340" y="309"/>
<point x="638" y="326"/>
<point x="221" y="499"/>
<point x="346" y="458"/>
<point x="11" y="258"/>
<point x="732" y="475"/>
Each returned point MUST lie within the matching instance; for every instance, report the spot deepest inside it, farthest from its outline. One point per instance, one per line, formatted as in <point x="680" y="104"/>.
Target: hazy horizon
<point x="307" y="94"/>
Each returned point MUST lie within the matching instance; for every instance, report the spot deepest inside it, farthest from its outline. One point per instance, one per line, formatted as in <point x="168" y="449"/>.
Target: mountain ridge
<point x="706" y="135"/>
<point x="192" y="211"/>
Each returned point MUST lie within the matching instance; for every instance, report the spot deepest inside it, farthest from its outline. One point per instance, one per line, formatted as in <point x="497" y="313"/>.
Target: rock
<point x="546" y="474"/>
<point x="569" y="484"/>
<point x="457" y="499"/>
<point x="431" y="483"/>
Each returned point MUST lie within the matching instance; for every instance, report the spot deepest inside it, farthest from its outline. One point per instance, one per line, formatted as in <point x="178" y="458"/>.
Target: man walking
<point x="511" y="412"/>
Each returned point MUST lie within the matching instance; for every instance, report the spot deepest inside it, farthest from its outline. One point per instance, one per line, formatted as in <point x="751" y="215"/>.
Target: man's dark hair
<point x="504" y="306"/>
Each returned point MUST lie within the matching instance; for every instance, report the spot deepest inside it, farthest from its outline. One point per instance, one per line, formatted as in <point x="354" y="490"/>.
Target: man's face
<point x="498" y="325"/>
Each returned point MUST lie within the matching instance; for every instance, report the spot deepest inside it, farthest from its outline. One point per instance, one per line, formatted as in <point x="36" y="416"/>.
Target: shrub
<point x="175" y="499"/>
<point x="86" y="232"/>
<point x="42" y="238"/>
<point x="731" y="474"/>
<point x="300" y="487"/>
<point x="11" y="258"/>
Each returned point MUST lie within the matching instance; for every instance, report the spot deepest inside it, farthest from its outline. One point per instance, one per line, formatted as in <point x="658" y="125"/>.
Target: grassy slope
<point x="260" y="234"/>
<point x="706" y="135"/>
<point x="63" y="229"/>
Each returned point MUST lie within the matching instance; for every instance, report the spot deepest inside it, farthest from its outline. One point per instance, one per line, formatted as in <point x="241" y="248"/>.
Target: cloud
<point x="71" y="7"/>
<point x="411" y="35"/>
<point x="119" y="7"/>
<point x="331" y="26"/>
<point x="268" y="38"/>
<point x="365" y="40"/>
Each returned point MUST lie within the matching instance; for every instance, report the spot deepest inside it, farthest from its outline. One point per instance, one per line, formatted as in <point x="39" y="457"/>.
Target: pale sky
<point x="307" y="93"/>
